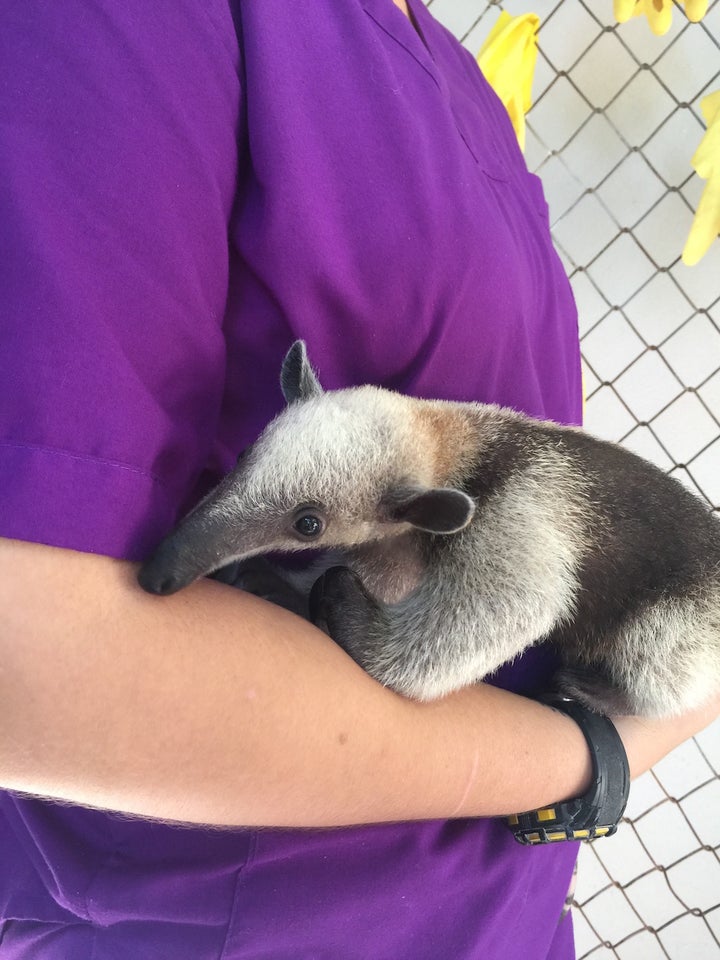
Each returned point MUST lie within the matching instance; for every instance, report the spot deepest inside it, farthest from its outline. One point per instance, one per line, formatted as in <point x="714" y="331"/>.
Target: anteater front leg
<point x="356" y="621"/>
<point x="412" y="655"/>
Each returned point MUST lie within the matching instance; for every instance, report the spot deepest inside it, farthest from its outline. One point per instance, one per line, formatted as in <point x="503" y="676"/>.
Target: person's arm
<point x="215" y="707"/>
<point x="648" y="740"/>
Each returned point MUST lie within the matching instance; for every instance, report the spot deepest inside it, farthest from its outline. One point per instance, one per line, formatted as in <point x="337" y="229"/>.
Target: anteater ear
<point x="438" y="510"/>
<point x="297" y="379"/>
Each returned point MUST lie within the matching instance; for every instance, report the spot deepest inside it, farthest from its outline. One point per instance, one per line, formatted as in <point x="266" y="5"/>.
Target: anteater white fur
<point x="472" y="533"/>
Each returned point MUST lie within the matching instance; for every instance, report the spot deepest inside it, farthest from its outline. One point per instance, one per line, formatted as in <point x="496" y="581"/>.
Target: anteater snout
<point x="165" y="572"/>
<point x="157" y="581"/>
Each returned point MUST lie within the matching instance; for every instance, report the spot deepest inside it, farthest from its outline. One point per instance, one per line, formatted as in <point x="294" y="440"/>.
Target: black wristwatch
<point x="598" y="812"/>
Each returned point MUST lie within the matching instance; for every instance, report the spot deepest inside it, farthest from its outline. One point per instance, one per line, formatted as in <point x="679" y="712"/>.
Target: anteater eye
<point x="308" y="526"/>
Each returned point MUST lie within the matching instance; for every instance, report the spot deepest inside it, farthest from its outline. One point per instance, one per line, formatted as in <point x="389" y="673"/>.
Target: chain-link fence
<point x="615" y="122"/>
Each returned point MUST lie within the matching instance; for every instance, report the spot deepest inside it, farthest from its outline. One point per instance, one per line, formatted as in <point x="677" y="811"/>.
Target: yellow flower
<point x="507" y="59"/>
<point x="658" y="12"/>
<point x="696" y="9"/>
<point x="706" y="161"/>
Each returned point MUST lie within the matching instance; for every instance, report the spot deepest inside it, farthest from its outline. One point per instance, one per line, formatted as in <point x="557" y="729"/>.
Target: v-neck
<point x="417" y="37"/>
<point x="404" y="30"/>
<point x="415" y="23"/>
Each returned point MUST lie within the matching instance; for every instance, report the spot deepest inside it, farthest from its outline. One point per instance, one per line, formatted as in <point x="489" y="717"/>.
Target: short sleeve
<point x="118" y="163"/>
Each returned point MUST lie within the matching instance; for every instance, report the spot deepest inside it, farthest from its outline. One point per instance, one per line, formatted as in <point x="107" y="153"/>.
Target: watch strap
<point x="596" y="813"/>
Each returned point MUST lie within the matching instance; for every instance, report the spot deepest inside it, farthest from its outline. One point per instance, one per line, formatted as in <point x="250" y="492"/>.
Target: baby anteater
<point x="467" y="533"/>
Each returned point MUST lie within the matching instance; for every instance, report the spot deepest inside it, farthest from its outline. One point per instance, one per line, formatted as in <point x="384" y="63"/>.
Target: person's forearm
<point x="214" y="707"/>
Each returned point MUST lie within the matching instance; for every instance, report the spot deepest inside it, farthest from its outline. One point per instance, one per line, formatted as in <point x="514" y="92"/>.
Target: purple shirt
<point x="377" y="205"/>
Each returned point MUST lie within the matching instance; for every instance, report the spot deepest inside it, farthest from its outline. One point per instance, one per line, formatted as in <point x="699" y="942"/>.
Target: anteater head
<point x="334" y="469"/>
